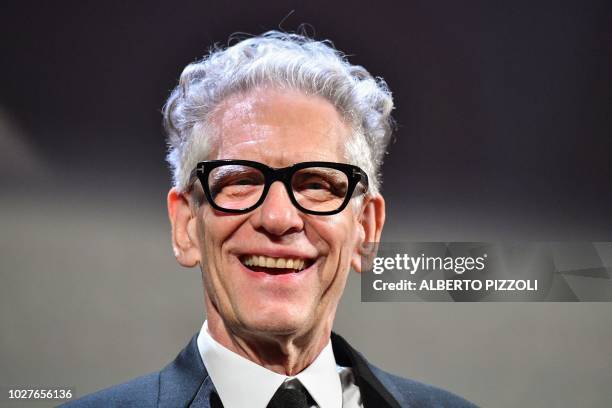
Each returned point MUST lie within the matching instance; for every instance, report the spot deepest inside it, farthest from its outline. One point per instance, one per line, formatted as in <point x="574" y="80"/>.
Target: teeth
<point x="268" y="262"/>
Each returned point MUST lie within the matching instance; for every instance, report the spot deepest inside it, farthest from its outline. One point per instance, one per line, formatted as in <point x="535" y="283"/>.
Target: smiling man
<point x="275" y="145"/>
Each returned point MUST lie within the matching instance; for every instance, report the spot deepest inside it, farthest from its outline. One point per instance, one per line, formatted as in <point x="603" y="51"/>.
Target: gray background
<point x="504" y="123"/>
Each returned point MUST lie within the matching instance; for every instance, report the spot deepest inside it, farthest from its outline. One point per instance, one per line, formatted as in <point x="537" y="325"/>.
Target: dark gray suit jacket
<point x="185" y="383"/>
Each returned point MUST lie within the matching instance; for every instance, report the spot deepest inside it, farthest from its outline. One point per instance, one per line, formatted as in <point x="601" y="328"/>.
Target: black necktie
<point x="291" y="394"/>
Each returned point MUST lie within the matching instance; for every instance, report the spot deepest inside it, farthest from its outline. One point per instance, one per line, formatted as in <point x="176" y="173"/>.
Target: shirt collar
<point x="243" y="383"/>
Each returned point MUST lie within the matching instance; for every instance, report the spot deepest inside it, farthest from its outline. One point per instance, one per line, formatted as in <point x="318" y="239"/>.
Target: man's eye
<point x="235" y="184"/>
<point x="243" y="182"/>
<point x="316" y="186"/>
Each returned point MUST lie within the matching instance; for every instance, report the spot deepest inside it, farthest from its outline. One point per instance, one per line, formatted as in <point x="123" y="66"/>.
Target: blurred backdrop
<point x="504" y="114"/>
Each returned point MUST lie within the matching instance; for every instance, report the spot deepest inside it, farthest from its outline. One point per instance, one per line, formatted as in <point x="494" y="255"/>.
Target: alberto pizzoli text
<point x="458" y="285"/>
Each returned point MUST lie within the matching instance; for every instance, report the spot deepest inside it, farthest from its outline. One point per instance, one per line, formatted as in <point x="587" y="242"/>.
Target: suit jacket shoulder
<point x="182" y="383"/>
<point x="139" y="392"/>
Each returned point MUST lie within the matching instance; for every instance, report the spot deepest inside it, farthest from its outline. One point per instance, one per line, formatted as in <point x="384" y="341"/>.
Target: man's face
<point x="278" y="129"/>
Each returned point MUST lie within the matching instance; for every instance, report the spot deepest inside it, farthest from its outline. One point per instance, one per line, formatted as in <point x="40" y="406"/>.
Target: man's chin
<point x="276" y="324"/>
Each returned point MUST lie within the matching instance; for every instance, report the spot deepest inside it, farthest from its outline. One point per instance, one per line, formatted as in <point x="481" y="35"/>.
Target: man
<point x="275" y="145"/>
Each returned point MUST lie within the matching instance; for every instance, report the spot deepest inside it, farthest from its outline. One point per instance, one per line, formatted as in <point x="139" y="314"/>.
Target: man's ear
<point x="371" y="223"/>
<point x="184" y="235"/>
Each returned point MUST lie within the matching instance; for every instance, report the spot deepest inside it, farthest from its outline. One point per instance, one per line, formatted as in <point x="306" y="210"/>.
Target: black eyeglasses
<point x="240" y="186"/>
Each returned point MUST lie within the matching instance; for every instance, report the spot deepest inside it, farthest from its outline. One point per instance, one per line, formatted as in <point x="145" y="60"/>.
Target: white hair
<point x="285" y="61"/>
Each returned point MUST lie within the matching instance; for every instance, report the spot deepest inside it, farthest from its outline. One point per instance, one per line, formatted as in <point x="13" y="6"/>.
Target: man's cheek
<point x="334" y="230"/>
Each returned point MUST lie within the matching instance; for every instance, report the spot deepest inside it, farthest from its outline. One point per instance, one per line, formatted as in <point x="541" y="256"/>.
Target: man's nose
<point x="277" y="214"/>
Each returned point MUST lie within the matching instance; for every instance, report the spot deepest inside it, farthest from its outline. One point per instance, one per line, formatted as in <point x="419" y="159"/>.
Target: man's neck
<point x="283" y="354"/>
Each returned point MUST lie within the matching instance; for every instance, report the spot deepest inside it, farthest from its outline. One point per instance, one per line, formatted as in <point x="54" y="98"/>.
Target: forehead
<point x="279" y="128"/>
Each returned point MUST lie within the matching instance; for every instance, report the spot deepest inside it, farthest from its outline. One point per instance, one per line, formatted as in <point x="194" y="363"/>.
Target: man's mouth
<point x="275" y="266"/>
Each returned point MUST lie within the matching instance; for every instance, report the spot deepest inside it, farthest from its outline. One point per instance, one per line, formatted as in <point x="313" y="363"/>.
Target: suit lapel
<point x="185" y="382"/>
<point x="206" y="396"/>
<point x="373" y="393"/>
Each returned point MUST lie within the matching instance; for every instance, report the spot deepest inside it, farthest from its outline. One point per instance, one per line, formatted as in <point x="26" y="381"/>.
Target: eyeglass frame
<point x="354" y="174"/>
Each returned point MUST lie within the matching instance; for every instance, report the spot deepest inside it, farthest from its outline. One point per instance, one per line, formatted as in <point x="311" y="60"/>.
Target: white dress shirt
<point x="242" y="383"/>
